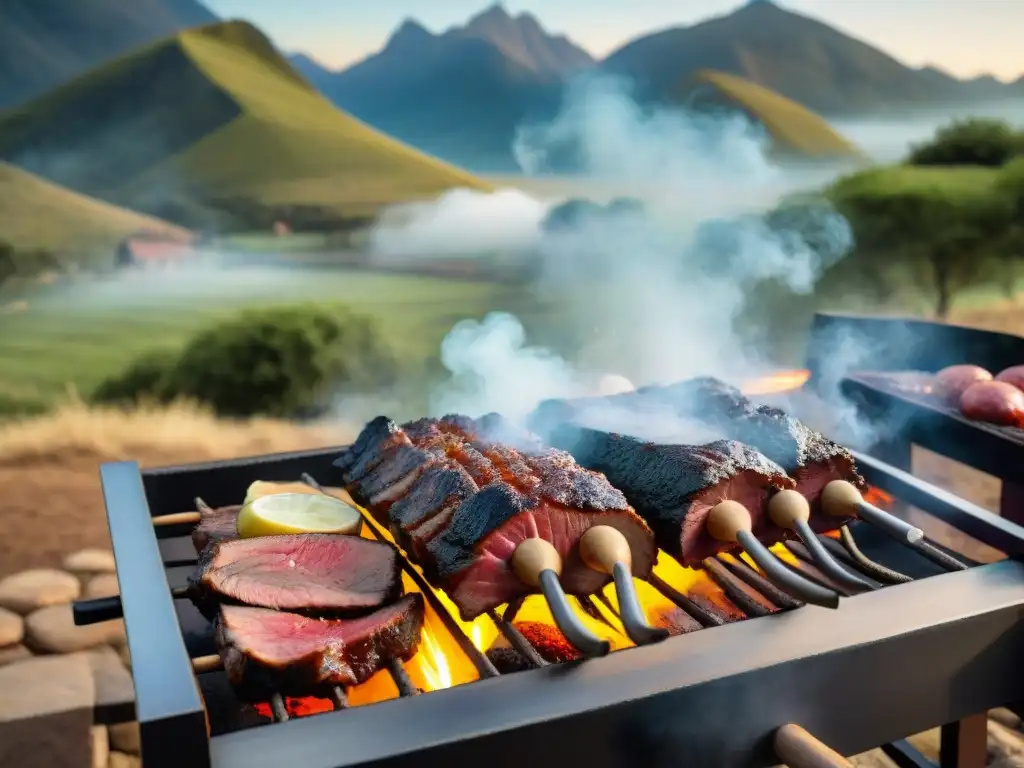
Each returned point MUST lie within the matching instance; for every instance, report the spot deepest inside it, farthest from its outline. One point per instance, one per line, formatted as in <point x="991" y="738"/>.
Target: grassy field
<point x="76" y="333"/>
<point x="35" y="214"/>
<point x="794" y="129"/>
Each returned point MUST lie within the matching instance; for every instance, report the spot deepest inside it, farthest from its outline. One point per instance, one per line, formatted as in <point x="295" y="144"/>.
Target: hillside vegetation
<point x="37" y="214"/>
<point x="794" y="129"/>
<point x="214" y="122"/>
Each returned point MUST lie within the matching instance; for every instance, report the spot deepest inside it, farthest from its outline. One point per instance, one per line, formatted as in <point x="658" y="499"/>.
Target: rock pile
<point x="55" y="677"/>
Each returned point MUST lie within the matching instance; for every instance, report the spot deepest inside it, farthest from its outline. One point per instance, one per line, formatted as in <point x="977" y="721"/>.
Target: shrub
<point x="285" y="362"/>
<point x="975" y="141"/>
<point x="144" y="379"/>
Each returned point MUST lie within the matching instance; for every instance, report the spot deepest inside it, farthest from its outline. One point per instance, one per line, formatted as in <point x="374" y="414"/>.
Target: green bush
<point x="975" y="141"/>
<point x="286" y="362"/>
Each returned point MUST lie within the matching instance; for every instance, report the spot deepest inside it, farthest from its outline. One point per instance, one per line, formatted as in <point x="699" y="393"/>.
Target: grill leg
<point x="1011" y="502"/>
<point x="964" y="744"/>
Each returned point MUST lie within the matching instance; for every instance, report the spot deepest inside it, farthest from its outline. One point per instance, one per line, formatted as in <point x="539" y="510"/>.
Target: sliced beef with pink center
<point x="319" y="574"/>
<point x="471" y="557"/>
<point x="267" y="652"/>
<point x="674" y="487"/>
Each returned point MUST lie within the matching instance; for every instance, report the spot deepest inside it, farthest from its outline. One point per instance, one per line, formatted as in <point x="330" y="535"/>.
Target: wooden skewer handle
<point x="602" y="546"/>
<point x="799" y="749"/>
<point x="534" y="556"/>
<point x="177" y="518"/>
<point x="210" y="663"/>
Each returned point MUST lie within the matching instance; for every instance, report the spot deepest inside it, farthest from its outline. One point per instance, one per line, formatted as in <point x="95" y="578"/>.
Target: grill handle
<point x="799" y="749"/>
<point x="98" y="609"/>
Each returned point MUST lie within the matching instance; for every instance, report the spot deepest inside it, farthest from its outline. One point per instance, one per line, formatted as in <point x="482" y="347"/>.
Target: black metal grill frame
<point x="886" y="664"/>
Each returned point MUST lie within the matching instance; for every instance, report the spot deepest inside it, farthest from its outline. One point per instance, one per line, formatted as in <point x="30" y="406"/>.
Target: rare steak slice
<point x="219" y="524"/>
<point x="471" y="557"/>
<point x="266" y="652"/>
<point x="317" y="574"/>
<point x="674" y="487"/>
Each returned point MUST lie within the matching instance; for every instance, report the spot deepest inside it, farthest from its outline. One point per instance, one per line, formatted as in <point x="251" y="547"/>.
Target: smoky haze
<point x="655" y="292"/>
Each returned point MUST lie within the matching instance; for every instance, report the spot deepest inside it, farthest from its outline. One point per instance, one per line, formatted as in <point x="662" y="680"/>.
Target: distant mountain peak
<point x="408" y="32"/>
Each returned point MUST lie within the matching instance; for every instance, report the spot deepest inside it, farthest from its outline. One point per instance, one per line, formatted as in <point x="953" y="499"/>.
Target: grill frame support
<point x="942" y="651"/>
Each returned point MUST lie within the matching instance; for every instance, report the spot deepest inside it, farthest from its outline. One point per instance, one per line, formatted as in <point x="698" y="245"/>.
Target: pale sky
<point x="965" y="37"/>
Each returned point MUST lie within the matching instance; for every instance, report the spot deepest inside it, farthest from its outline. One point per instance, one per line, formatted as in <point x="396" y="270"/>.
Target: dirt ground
<point x="50" y="499"/>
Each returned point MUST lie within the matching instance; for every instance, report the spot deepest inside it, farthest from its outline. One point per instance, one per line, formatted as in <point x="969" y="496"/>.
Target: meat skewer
<point x="464" y="507"/>
<point x="699" y="499"/>
<point x="267" y="653"/>
<point x="812" y="460"/>
<point x="790" y="510"/>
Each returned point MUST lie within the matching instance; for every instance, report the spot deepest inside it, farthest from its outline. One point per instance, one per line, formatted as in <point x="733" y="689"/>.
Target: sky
<point x="964" y="37"/>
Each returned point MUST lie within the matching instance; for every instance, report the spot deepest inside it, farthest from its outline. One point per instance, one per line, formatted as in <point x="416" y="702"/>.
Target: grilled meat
<point x="215" y="525"/>
<point x="266" y="652"/>
<point x="810" y="458"/>
<point x="460" y="502"/>
<point x="319" y="574"/>
<point x="674" y="487"/>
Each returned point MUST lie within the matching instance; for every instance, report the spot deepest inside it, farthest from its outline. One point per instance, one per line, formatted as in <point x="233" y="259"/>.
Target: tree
<point x="974" y="141"/>
<point x="945" y="234"/>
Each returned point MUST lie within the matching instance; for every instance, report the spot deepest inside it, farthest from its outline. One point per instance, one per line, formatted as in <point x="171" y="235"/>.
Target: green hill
<point x="215" y="119"/>
<point x="44" y="43"/>
<point x="795" y="130"/>
<point x="38" y="215"/>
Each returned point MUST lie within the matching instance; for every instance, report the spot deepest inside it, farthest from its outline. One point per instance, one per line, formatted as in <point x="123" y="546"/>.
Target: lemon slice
<point x="267" y="488"/>
<point x="287" y="513"/>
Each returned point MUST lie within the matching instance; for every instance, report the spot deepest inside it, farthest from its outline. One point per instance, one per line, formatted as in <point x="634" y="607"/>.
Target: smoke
<point x="653" y="289"/>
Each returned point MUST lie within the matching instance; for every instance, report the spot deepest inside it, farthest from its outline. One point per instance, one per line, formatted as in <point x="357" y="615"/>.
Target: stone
<point x="121" y="760"/>
<point x="100" y="746"/>
<point x="28" y="591"/>
<point x="1005" y="717"/>
<point x="12" y="628"/>
<point x="112" y="682"/>
<point x="53" y="630"/>
<point x="1004" y="743"/>
<point x="88" y="562"/>
<point x="102" y="585"/>
<point x="125" y="655"/>
<point x="46" y="713"/>
<point x="12" y="653"/>
<point x="124" y="737"/>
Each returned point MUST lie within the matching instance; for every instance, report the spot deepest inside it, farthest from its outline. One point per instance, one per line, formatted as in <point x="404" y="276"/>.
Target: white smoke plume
<point x="657" y="289"/>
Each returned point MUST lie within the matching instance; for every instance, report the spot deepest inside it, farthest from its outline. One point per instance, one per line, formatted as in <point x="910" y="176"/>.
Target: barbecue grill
<point x="935" y="641"/>
<point x="881" y="385"/>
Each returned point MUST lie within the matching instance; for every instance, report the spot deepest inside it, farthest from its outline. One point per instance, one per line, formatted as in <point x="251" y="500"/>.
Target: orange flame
<point x="777" y="383"/>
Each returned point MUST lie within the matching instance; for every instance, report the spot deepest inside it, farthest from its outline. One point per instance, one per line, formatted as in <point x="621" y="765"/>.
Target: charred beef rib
<point x="318" y="574"/>
<point x="459" y="501"/>
<point x="810" y="458"/>
<point x="807" y="456"/>
<point x="266" y="652"/>
<point x="674" y="487"/>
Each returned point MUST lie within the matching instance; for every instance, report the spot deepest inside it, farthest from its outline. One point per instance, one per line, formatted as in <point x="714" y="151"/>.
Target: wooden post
<point x="964" y="744"/>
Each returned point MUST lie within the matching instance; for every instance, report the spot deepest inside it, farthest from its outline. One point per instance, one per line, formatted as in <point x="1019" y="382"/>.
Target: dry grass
<point x="51" y="502"/>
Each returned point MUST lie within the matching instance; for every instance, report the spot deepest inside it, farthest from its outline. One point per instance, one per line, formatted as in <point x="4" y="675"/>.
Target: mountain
<point x="38" y="214"/>
<point x="795" y="131"/>
<point x="523" y="40"/>
<point x="462" y="94"/>
<point x="215" y="119"/>
<point x="46" y="42"/>
<point x="797" y="56"/>
<point x="319" y="76"/>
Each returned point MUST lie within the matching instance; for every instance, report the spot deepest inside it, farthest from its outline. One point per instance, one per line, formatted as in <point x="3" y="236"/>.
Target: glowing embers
<point x="777" y="383"/>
